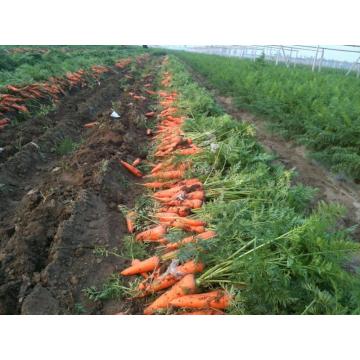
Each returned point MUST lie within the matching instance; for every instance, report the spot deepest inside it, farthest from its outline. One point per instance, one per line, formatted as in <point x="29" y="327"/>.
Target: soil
<point x="331" y="188"/>
<point x="56" y="209"/>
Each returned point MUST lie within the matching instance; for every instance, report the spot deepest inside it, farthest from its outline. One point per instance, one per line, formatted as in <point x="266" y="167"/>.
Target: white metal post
<point x="315" y="58"/>
<point x="321" y="59"/>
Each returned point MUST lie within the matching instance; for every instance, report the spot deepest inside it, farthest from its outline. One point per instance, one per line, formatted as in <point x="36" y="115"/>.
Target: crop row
<point x="250" y="243"/>
<point x="320" y="110"/>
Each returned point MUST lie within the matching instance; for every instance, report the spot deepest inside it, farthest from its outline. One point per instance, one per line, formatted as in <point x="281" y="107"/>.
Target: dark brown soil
<point x="56" y="209"/>
<point x="330" y="187"/>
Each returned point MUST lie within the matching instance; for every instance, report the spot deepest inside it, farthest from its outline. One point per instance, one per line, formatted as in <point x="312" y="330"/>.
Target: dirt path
<point x="310" y="172"/>
<point x="56" y="210"/>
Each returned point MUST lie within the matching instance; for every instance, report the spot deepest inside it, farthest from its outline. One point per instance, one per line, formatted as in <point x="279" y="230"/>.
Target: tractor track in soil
<point x="292" y="156"/>
<point x="55" y="210"/>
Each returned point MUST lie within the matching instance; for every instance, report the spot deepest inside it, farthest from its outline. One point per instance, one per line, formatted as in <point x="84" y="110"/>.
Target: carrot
<point x="206" y="235"/>
<point x="166" y="280"/>
<point x="136" y="162"/>
<point x="139" y="97"/>
<point x="147" y="265"/>
<point x="190" y="267"/>
<point x="157" y="167"/>
<point x="21" y="108"/>
<point x="188" y="151"/>
<point x="137" y="262"/>
<point x="217" y="299"/>
<point x="91" y="124"/>
<point x="196" y="195"/>
<point x="166" y="193"/>
<point x="12" y="88"/>
<point x="4" y="121"/>
<point x="130" y="217"/>
<point x="152" y="234"/>
<point x="131" y="168"/>
<point x="203" y="312"/>
<point x="174" y="174"/>
<point x="166" y="218"/>
<point x="193" y="228"/>
<point x="180" y="210"/>
<point x="191" y="222"/>
<point x="150" y="114"/>
<point x="158" y="185"/>
<point x="193" y="204"/>
<point x="176" y="245"/>
<point x="185" y="286"/>
<point x="190" y="181"/>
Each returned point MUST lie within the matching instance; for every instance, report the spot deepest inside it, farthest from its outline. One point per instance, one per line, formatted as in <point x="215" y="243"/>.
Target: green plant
<point x="79" y="309"/>
<point x="66" y="146"/>
<point x="113" y="288"/>
<point x="280" y="255"/>
<point x="320" y="110"/>
<point x="45" y="109"/>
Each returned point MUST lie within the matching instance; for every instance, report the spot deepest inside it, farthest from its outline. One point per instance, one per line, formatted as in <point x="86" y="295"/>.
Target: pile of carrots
<point x="121" y="64"/>
<point x="14" y="100"/>
<point x="99" y="69"/>
<point x="177" y="197"/>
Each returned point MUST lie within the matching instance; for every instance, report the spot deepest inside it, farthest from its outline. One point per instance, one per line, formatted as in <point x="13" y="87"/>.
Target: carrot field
<point x="319" y="110"/>
<point x="127" y="189"/>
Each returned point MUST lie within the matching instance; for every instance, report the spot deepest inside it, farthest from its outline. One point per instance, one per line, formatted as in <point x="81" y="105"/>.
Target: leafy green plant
<point x="273" y="251"/>
<point x="113" y="288"/>
<point x="320" y="110"/>
<point x="66" y="146"/>
<point x="32" y="66"/>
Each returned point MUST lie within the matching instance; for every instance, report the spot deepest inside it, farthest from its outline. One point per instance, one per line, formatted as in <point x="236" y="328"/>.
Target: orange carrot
<point x="150" y="114"/>
<point x="130" y="218"/>
<point x="137" y="262"/>
<point x="157" y="168"/>
<point x="166" y="280"/>
<point x="139" y="97"/>
<point x="166" y="193"/>
<point x="4" y="121"/>
<point x="174" y="174"/>
<point x="217" y="299"/>
<point x="193" y="204"/>
<point x="131" y="168"/>
<point x="188" y="151"/>
<point x="191" y="222"/>
<point x="180" y="210"/>
<point x="166" y="218"/>
<point x="158" y="185"/>
<point x="91" y="124"/>
<point x="206" y="235"/>
<point x="152" y="234"/>
<point x="185" y="286"/>
<point x="196" y="195"/>
<point x="136" y="162"/>
<point x="144" y="266"/>
<point x="190" y="182"/>
<point x="190" y="267"/>
<point x="180" y="225"/>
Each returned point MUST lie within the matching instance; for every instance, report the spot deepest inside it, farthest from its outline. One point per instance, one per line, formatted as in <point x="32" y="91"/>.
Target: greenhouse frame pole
<point x="315" y="58"/>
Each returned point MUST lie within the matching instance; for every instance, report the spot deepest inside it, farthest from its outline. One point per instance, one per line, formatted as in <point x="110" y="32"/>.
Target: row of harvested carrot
<point x="15" y="99"/>
<point x="177" y="197"/>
